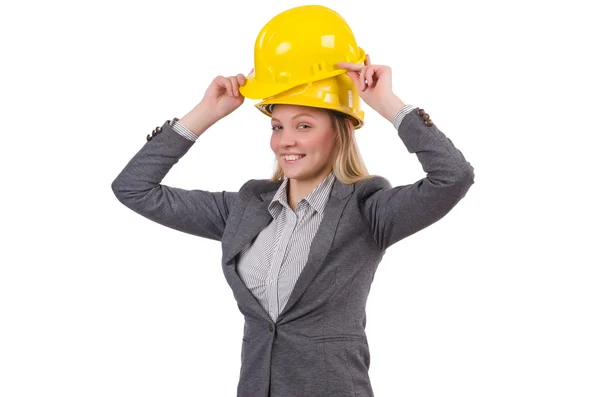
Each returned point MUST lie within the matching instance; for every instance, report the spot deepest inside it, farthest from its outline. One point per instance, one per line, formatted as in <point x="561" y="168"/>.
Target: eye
<point x="275" y="127"/>
<point x="303" y="125"/>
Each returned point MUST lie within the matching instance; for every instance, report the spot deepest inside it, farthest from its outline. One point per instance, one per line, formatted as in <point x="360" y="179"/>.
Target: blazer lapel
<point x="256" y="217"/>
<point x="321" y="243"/>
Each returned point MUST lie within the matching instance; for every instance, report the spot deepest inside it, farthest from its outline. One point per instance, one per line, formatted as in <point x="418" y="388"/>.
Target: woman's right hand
<point x="220" y="99"/>
<point x="223" y="95"/>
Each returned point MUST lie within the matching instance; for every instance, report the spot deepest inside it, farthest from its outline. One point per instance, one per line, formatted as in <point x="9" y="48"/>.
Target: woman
<point x="300" y="252"/>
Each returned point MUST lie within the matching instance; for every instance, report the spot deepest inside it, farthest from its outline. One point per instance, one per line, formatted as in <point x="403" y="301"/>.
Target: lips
<point x="292" y="161"/>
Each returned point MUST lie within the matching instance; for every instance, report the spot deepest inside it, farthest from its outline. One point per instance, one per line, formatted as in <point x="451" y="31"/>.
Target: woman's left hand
<point x="374" y="83"/>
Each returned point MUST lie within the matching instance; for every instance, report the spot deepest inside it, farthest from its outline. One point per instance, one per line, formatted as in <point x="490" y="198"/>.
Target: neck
<point x="300" y="188"/>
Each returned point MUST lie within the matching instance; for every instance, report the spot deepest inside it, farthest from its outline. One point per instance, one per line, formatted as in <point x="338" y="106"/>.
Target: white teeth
<point x="291" y="157"/>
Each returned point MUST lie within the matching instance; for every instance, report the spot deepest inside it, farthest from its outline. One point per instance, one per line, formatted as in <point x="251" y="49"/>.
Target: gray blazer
<point x="318" y="346"/>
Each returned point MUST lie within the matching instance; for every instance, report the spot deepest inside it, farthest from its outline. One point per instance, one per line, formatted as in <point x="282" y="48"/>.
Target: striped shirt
<point x="270" y="265"/>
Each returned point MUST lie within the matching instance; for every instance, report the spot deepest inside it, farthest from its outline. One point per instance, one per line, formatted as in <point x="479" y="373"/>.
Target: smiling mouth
<point x="292" y="161"/>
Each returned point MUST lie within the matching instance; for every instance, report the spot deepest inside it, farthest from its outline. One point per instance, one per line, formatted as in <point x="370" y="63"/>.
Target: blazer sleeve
<point x="198" y="212"/>
<point x="394" y="213"/>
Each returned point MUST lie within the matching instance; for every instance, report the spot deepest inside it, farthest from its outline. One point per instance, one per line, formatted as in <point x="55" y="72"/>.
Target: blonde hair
<point x="348" y="165"/>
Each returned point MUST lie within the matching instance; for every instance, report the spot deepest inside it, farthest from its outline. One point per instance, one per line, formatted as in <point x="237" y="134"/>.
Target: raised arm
<point x="394" y="213"/>
<point x="138" y="186"/>
<point x="397" y="212"/>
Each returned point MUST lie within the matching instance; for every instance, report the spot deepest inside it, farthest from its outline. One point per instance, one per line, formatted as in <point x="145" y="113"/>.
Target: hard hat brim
<point x="357" y="118"/>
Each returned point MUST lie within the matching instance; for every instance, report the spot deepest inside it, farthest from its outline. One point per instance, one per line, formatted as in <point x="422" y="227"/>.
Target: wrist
<point x="198" y="120"/>
<point x="390" y="107"/>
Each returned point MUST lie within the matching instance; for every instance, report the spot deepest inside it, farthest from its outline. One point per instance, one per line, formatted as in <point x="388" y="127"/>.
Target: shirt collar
<point x="316" y="199"/>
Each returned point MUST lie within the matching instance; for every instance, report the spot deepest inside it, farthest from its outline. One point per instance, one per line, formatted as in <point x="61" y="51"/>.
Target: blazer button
<point x="421" y="112"/>
<point x="428" y="123"/>
<point x="270" y="328"/>
<point x="148" y="137"/>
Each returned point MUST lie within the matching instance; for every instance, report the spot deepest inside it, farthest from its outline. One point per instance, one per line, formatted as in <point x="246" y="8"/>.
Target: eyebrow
<point x="298" y="115"/>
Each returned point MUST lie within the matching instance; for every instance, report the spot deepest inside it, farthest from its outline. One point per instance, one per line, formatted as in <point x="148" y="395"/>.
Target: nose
<point x="287" y="138"/>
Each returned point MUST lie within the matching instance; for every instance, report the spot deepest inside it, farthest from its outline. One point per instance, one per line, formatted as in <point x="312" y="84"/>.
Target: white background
<point x="499" y="298"/>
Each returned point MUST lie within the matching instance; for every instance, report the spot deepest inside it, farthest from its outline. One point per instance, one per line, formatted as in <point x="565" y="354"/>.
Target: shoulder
<point x="368" y="186"/>
<point x="256" y="187"/>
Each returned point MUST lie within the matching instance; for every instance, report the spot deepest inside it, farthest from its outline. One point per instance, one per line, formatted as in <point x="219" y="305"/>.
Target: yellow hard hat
<point x="297" y="46"/>
<point x="337" y="93"/>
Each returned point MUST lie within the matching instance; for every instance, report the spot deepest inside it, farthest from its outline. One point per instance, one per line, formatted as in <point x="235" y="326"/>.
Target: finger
<point x="226" y="83"/>
<point x="220" y="81"/>
<point x="351" y="66"/>
<point x="369" y="76"/>
<point x="381" y="71"/>
<point x="241" y="79"/>
<point x="251" y="71"/>
<point x="367" y="60"/>
<point x="235" y="86"/>
<point x="363" y="84"/>
<point x="355" y="78"/>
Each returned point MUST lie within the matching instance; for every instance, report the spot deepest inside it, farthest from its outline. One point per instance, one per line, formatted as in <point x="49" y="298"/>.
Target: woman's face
<point x="306" y="131"/>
